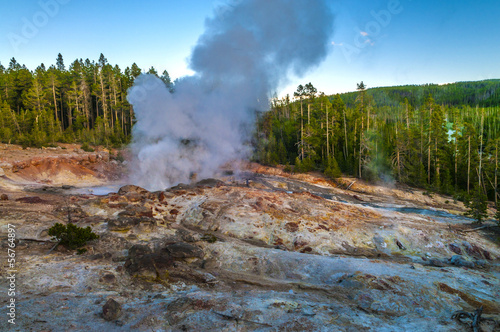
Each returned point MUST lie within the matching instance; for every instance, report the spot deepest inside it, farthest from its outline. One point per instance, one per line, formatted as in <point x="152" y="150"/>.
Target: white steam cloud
<point x="248" y="49"/>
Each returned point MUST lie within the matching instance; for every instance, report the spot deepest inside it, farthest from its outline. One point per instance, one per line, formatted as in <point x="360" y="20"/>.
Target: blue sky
<point x="380" y="42"/>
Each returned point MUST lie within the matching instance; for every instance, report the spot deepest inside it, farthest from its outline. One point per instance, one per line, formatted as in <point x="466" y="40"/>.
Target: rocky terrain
<point x="254" y="250"/>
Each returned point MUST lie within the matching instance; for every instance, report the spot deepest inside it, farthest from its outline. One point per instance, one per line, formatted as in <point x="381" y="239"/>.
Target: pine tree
<point x="469" y="158"/>
<point x="477" y="204"/>
<point x="152" y="71"/>
<point x="135" y="71"/>
<point x="497" y="214"/>
<point x="333" y="170"/>
<point x="7" y="125"/>
<point x="165" y="77"/>
<point x="439" y="146"/>
<point x="300" y="93"/>
<point x="60" y="63"/>
<point x="44" y="105"/>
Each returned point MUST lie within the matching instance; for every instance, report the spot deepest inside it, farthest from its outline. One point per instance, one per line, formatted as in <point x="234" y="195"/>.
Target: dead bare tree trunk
<point x="327" y="135"/>
<point x="456" y="154"/>
<point x="70" y="122"/>
<point x="55" y="104"/>
<point x="301" y="130"/>
<point x="468" y="168"/>
<point x="429" y="148"/>
<point x="308" y="114"/>
<point x="114" y="101"/>
<point x="361" y="146"/>
<point x="481" y="147"/>
<point x="407" y="117"/>
<point x="346" y="154"/>
<point x="438" y="166"/>
<point x="496" y="173"/>
<point x="104" y="105"/>
<point x="355" y="139"/>
<point x="397" y="155"/>
<point x="15" y="120"/>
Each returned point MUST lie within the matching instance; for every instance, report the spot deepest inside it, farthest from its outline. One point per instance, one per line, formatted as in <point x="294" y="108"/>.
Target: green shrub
<point x="210" y="238"/>
<point x="497" y="214"/>
<point x="333" y="170"/>
<point x="87" y="148"/>
<point x="287" y="168"/>
<point x="119" y="157"/>
<point x="477" y="205"/>
<point x="304" y="166"/>
<point x="72" y="236"/>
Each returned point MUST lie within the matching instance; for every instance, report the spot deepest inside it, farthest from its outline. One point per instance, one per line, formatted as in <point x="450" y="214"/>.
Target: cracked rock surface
<point x="274" y="253"/>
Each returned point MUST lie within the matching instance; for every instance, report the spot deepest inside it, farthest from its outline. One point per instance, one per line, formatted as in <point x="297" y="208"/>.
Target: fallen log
<point x="475" y="318"/>
<point x="236" y="319"/>
<point x="349" y="186"/>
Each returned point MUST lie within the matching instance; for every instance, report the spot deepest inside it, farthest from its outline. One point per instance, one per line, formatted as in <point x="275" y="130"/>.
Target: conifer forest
<point x="85" y="102"/>
<point x="444" y="138"/>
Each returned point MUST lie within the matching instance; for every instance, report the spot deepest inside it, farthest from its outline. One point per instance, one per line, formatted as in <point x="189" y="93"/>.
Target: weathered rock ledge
<point x="271" y="253"/>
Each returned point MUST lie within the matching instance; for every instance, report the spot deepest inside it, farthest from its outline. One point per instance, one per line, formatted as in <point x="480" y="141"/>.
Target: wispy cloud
<point x="363" y="33"/>
<point x="337" y="44"/>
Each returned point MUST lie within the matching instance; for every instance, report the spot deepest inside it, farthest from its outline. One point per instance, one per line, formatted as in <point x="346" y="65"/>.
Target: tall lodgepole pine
<point x="300" y="94"/>
<point x="327" y="135"/>
<point x="53" y="84"/>
<point x="496" y="172"/>
<point x="430" y="105"/>
<point x="455" y="152"/>
<point x="481" y="147"/>
<point x="468" y="166"/>
<point x="346" y="153"/>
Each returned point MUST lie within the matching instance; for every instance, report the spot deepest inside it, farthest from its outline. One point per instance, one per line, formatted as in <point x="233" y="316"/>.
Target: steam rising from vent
<point x="247" y="51"/>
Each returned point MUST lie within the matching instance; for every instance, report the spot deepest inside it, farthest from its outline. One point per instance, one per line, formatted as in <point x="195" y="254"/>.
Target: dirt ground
<point x="263" y="250"/>
<point x="66" y="164"/>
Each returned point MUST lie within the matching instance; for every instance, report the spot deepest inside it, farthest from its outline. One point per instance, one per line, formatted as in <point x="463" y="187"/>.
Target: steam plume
<point x="247" y="51"/>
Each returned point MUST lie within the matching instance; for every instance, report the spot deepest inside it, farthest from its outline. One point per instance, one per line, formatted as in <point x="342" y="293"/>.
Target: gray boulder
<point x="184" y="250"/>
<point x="458" y="260"/>
<point x="111" y="310"/>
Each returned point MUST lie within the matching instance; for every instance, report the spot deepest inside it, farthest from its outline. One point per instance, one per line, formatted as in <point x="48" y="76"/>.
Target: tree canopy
<point x="441" y="137"/>
<point x="86" y="102"/>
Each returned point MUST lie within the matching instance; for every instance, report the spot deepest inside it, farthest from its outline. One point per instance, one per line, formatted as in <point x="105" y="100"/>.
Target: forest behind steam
<point x="441" y="137"/>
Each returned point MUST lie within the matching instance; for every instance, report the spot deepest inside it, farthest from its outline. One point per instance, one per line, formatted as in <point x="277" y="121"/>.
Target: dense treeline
<point x="480" y="93"/>
<point x="83" y="103"/>
<point x="452" y="149"/>
<point x="441" y="137"/>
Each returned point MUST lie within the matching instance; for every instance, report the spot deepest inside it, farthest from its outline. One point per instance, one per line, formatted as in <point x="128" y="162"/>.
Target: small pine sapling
<point x="477" y="205"/>
<point x="497" y="214"/>
<point x="72" y="236"/>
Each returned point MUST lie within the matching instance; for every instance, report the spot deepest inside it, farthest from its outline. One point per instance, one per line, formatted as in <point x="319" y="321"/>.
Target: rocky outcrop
<point x="126" y="223"/>
<point x="167" y="263"/>
<point x="184" y="250"/>
<point x="458" y="260"/>
<point x="31" y="200"/>
<point x="59" y="167"/>
<point x="227" y="256"/>
<point x="111" y="310"/>
<point x="131" y="189"/>
<point x="144" y="264"/>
